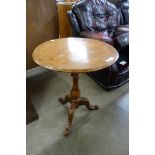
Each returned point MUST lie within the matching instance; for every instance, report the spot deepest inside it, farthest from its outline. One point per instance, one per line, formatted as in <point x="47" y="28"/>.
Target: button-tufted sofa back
<point x="96" y="15"/>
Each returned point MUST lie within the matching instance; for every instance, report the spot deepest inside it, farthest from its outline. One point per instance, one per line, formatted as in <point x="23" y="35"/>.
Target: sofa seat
<point x="103" y="36"/>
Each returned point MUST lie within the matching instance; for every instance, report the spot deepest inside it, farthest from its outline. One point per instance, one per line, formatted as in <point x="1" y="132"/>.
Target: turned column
<point x="75" y="91"/>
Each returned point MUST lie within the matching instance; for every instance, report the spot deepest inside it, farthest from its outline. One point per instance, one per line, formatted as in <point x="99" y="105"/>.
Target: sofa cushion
<point x="121" y="30"/>
<point x="103" y="36"/>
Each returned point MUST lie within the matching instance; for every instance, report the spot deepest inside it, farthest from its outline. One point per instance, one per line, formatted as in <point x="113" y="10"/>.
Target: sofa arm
<point x="121" y="41"/>
<point x="121" y="38"/>
<point x="74" y="23"/>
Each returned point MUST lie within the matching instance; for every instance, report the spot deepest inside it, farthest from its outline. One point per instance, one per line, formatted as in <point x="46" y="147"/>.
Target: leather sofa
<point x="102" y="20"/>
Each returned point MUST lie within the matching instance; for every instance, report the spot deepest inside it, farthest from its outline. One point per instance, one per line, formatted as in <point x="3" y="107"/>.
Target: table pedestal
<point x="75" y="101"/>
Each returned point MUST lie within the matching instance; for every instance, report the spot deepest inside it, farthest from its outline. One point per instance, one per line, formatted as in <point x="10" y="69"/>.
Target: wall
<point x="41" y="25"/>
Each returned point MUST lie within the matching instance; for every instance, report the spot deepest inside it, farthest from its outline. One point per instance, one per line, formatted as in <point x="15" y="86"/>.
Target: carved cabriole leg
<point x="85" y="101"/>
<point x="70" y="118"/>
<point x="64" y="100"/>
<point x="74" y="95"/>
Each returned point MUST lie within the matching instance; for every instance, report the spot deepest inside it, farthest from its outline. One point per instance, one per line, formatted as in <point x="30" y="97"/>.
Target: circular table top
<point x="75" y="55"/>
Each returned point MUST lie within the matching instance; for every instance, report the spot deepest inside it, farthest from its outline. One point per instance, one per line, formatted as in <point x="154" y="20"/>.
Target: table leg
<point x="64" y="100"/>
<point x="70" y="118"/>
<point x="75" y="100"/>
<point x="85" y="101"/>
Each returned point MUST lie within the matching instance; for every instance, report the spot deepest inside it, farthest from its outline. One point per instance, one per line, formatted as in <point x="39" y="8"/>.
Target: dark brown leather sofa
<point x="102" y="20"/>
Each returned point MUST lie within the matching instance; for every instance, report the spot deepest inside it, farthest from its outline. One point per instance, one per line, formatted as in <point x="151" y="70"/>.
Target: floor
<point x="101" y="132"/>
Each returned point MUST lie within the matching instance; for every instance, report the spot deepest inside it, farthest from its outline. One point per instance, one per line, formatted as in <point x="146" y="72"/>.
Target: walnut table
<point x="75" y="56"/>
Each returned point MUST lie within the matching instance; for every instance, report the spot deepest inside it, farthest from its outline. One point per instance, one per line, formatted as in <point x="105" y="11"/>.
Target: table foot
<point x="71" y="111"/>
<point x="64" y="100"/>
<point x="67" y="131"/>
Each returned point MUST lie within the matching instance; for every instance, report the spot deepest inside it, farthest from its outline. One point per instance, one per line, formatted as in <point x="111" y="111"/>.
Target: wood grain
<point x="65" y="29"/>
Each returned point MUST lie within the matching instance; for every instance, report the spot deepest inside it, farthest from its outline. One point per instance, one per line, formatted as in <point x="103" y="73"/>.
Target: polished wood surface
<point x="41" y="25"/>
<point x="65" y="29"/>
<point x="75" y="55"/>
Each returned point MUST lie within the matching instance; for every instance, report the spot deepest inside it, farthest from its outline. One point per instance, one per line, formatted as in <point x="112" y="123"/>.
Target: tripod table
<point x="75" y="56"/>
